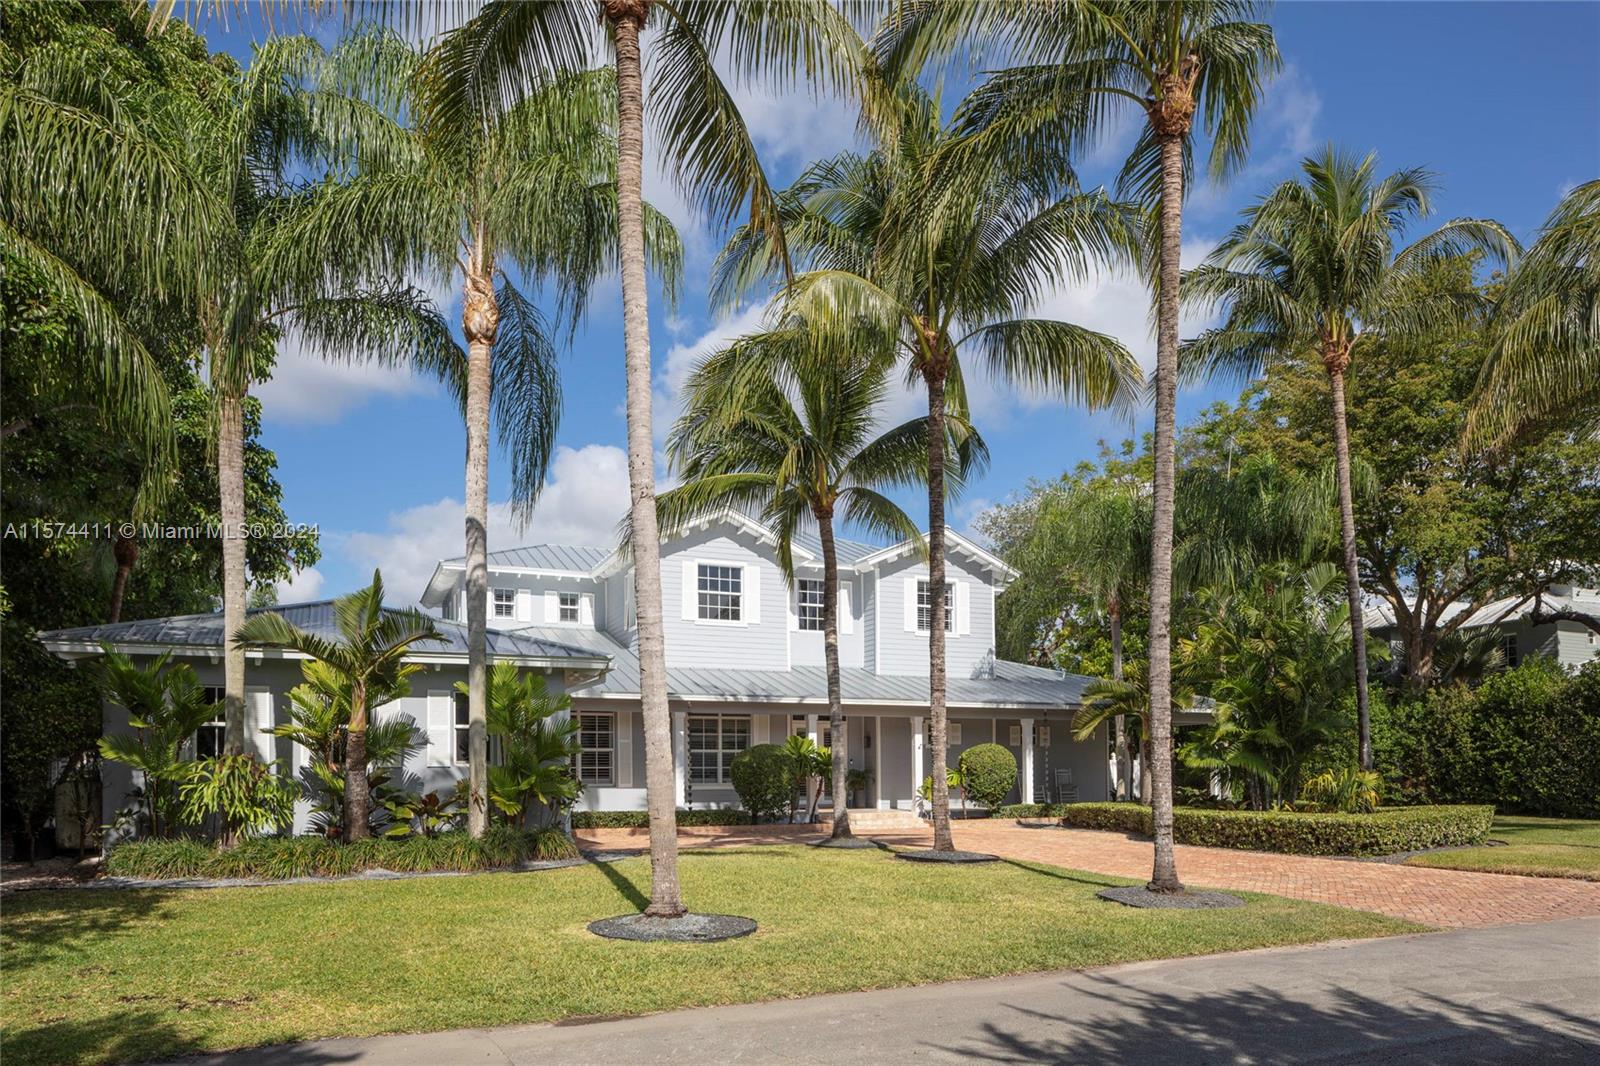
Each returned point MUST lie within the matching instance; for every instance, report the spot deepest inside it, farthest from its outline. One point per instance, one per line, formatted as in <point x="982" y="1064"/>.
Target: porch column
<point x="877" y="765"/>
<point x="680" y="757"/>
<point x="916" y="760"/>
<point x="1027" y="760"/>
<point x="812" y="732"/>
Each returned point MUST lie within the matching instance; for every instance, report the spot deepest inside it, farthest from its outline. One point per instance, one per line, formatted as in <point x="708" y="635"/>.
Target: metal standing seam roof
<point x="544" y="557"/>
<point x="205" y="631"/>
<point x="850" y="552"/>
<point x="1013" y="684"/>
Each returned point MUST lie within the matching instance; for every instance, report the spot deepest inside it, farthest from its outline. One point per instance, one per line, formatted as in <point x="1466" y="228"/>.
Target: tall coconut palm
<point x="511" y="46"/>
<point x="1078" y="63"/>
<point x="1546" y="357"/>
<point x="936" y="247"/>
<point x="532" y="186"/>
<point x="369" y="655"/>
<point x="771" y="428"/>
<point x="1313" y="270"/>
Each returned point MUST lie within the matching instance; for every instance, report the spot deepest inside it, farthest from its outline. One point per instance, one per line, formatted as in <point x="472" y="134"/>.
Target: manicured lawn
<point x="100" y="976"/>
<point x="1540" y="847"/>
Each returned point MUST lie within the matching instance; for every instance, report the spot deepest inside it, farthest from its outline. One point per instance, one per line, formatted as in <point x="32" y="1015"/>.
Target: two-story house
<point x="744" y="658"/>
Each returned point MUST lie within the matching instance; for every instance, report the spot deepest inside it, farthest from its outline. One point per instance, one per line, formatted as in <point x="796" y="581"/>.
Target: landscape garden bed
<point x="1383" y="832"/>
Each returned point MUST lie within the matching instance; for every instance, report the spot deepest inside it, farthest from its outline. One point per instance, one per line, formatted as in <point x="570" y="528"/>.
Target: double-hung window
<point x="1508" y="645"/>
<point x="505" y="603"/>
<point x="713" y="742"/>
<point x="719" y="592"/>
<point x="462" y="731"/>
<point x="567" y="606"/>
<point x="925" y="606"/>
<point x="808" y="603"/>
<point x="211" y="738"/>
<point x="597" y="733"/>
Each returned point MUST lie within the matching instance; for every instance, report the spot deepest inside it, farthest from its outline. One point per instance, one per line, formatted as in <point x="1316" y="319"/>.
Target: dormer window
<point x="719" y="592"/>
<point x="567" y="606"/>
<point x="505" y="603"/>
<point x="925" y="606"/>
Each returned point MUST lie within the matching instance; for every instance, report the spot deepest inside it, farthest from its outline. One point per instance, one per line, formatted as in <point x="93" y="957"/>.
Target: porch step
<point x="871" y="820"/>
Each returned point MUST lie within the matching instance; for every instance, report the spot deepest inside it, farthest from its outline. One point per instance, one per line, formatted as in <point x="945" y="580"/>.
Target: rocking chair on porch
<point x="1066" y="791"/>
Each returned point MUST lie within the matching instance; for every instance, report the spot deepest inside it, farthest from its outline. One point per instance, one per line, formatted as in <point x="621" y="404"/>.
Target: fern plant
<point x="249" y="796"/>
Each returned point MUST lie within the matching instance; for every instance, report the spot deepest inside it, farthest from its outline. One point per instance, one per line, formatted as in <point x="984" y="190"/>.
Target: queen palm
<point x="931" y="249"/>
<point x="770" y="427"/>
<point x="369" y="655"/>
<point x="511" y="46"/>
<point x="1312" y="271"/>
<point x="1078" y="62"/>
<point x="1546" y="356"/>
<point x="532" y="185"/>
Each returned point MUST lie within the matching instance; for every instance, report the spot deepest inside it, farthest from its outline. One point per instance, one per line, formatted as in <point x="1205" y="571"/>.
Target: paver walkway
<point x="1444" y="898"/>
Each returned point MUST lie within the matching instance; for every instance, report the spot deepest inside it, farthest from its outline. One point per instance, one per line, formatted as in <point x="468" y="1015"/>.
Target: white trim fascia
<point x="80" y="649"/>
<point x="906" y="547"/>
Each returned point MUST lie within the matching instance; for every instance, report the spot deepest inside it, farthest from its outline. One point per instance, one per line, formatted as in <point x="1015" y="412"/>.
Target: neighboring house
<point x="744" y="665"/>
<point x="1571" y="643"/>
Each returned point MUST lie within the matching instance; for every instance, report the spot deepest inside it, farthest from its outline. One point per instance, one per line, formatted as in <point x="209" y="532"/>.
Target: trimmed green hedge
<point x="641" y="819"/>
<point x="274" y="858"/>
<point x="1382" y="833"/>
<point x="1031" y="810"/>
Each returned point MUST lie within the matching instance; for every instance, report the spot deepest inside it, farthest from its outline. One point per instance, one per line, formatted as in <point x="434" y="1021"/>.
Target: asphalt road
<point x="1506" y="994"/>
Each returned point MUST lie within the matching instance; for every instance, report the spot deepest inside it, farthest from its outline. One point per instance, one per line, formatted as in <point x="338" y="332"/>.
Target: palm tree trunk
<point x="830" y="657"/>
<point x="1124" y="783"/>
<point x="1352" y="572"/>
<point x="480" y="322"/>
<point x="357" y="797"/>
<point x="230" y="478"/>
<point x="935" y="377"/>
<point x="666" y="901"/>
<point x="1164" y="876"/>
<point x="126" y="552"/>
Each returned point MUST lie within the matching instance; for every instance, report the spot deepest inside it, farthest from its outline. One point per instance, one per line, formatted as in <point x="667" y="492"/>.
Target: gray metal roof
<point x="850" y="551"/>
<point x="546" y="557"/>
<point x="1013" y="684"/>
<point x="205" y="631"/>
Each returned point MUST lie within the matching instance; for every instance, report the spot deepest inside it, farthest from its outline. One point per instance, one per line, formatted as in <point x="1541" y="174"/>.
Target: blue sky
<point x="1501" y="100"/>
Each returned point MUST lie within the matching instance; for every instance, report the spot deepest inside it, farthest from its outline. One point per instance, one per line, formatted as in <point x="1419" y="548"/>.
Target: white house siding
<point x="902" y="649"/>
<point x="536" y="602"/>
<point x="806" y="645"/>
<point x="869" y="621"/>
<point x="760" y="640"/>
<point x="1574" y="644"/>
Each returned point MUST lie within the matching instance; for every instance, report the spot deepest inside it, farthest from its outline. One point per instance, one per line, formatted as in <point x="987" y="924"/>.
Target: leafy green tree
<point x="1076" y="62"/>
<point x="770" y="429"/>
<point x="1314" y="270"/>
<point x="931" y="250"/>
<point x="369" y="655"/>
<point x="538" y="744"/>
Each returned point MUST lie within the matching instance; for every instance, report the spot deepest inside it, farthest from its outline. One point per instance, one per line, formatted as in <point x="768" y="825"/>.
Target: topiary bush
<point x="1381" y="833"/>
<point x="641" y="819"/>
<point x="763" y="776"/>
<point x="988" y="773"/>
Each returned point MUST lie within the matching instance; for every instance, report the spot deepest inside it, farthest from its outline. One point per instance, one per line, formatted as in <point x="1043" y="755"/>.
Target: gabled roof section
<point x="953" y="540"/>
<point x="201" y="634"/>
<point x="549" y="560"/>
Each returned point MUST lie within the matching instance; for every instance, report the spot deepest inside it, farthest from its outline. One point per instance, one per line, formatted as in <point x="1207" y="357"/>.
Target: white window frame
<point x="804" y="589"/>
<point x="724" y="755"/>
<point x="609" y="750"/>
<point x="460" y="729"/>
<point x="1510" y="649"/>
<point x="509" y="606"/>
<point x="576" y="607"/>
<point x="736" y="572"/>
<point x="218" y="725"/>
<point x="925" y="610"/>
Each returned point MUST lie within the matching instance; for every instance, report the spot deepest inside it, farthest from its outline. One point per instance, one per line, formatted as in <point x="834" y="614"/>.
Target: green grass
<point x="1538" y="847"/>
<point x="103" y="976"/>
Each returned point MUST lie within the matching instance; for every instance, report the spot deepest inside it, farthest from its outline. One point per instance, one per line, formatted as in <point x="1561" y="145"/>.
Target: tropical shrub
<point x="764" y="778"/>
<point x="538" y="744"/>
<point x="641" y="819"/>
<point x="808" y="761"/>
<point x="425" y="815"/>
<point x="248" y="796"/>
<point x="988" y="772"/>
<point x="1381" y="833"/>
<point x="1348" y="790"/>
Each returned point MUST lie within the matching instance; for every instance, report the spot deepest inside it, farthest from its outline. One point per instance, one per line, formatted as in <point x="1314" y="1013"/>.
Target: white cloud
<point x="301" y="587"/>
<point x="586" y="495"/>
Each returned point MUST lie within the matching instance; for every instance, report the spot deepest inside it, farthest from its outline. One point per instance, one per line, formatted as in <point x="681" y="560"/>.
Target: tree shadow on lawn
<point x="1262" y="1025"/>
<point x="136" y="1035"/>
<point x="43" y="925"/>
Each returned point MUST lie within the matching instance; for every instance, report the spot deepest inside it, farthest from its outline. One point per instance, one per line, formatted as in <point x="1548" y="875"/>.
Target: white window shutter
<point x="525" y="605"/>
<point x="441" y="723"/>
<point x="752" y="595"/>
<point x="624" y="755"/>
<point x="847" y="622"/>
<point x="1016" y="736"/>
<point x="552" y="607"/>
<point x="963" y="590"/>
<point x="586" y="609"/>
<point x="690" y="574"/>
<point x="952" y="734"/>
<point x="258" y="702"/>
<point x="911" y="605"/>
<point x="794" y="607"/>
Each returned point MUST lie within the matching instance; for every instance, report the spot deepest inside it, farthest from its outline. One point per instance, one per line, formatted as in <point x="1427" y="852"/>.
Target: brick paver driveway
<point x="1446" y="898"/>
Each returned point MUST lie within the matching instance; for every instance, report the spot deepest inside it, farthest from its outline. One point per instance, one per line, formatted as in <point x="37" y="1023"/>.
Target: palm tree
<point x="769" y="428"/>
<point x="532" y="185"/>
<point x="1546" y="357"/>
<point x="511" y="46"/>
<point x="1120" y="700"/>
<point x="1077" y="62"/>
<point x="369" y="654"/>
<point x="1311" y="272"/>
<point x="932" y="247"/>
